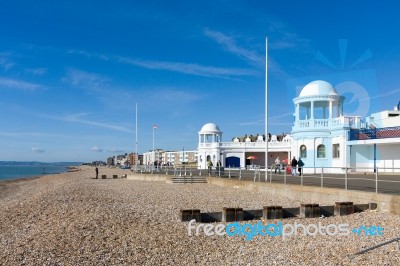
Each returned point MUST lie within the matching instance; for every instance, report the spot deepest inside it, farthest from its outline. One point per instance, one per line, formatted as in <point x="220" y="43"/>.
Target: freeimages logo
<point x="249" y="231"/>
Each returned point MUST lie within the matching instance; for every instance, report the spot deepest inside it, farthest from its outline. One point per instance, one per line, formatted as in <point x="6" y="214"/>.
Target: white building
<point x="321" y="135"/>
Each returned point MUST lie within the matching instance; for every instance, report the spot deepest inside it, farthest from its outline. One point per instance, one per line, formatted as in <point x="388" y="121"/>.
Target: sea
<point x="14" y="170"/>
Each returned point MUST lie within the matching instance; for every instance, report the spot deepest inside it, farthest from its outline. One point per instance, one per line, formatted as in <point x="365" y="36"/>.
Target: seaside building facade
<point x="322" y="135"/>
<point x="172" y="158"/>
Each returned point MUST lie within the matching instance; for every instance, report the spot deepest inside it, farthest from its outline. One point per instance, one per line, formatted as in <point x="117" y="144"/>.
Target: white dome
<point x="318" y="88"/>
<point x="210" y="128"/>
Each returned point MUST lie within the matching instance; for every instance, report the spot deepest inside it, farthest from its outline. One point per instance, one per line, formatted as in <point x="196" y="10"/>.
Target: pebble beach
<point x="74" y="219"/>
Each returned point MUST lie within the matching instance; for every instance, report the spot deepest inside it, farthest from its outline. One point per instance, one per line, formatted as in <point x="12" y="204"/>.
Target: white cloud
<point x="96" y="149"/>
<point x="230" y="45"/>
<point x="17" y="84"/>
<point x="38" y="150"/>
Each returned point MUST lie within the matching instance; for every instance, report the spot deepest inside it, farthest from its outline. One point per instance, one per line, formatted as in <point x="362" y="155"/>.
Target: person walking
<point x="97" y="172"/>
<point x="278" y="165"/>
<point x="301" y="164"/>
<point x="294" y="165"/>
<point x="210" y="165"/>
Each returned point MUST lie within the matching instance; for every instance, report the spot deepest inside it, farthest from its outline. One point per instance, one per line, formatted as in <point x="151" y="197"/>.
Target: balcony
<point x="338" y="122"/>
<point x="244" y="145"/>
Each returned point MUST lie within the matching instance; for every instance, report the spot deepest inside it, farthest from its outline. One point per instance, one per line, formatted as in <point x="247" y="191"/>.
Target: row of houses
<point x="158" y="156"/>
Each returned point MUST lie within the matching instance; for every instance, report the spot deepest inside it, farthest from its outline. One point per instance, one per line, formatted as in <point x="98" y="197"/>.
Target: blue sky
<point x="72" y="71"/>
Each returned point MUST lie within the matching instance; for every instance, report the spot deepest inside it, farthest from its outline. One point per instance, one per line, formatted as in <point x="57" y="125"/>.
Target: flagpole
<point x="266" y="108"/>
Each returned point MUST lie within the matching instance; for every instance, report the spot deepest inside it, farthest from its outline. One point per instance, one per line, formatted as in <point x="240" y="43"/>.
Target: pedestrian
<point x="210" y="165"/>
<point x="301" y="164"/>
<point x="294" y="165"/>
<point x="277" y="164"/>
<point x="97" y="172"/>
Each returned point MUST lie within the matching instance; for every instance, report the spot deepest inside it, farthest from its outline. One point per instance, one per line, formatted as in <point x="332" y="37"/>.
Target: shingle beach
<point x="73" y="219"/>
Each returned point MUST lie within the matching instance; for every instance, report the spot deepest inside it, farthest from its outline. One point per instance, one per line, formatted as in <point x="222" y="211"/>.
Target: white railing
<point x="338" y="122"/>
<point x="280" y="144"/>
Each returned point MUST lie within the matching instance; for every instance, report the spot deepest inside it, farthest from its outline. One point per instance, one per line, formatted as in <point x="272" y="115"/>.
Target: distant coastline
<point x="12" y="170"/>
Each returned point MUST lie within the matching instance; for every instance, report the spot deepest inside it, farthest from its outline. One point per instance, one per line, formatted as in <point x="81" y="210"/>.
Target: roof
<point x="210" y="128"/>
<point x="318" y="88"/>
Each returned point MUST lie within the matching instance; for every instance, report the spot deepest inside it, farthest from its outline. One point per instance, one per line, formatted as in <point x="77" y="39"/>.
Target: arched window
<point x="303" y="151"/>
<point x="321" y="151"/>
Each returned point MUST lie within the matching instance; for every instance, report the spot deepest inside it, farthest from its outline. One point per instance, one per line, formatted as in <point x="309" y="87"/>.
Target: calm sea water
<point x="19" y="171"/>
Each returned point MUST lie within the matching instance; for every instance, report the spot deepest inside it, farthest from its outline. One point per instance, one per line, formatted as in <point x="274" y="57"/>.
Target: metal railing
<point x="378" y="179"/>
<point x="374" y="133"/>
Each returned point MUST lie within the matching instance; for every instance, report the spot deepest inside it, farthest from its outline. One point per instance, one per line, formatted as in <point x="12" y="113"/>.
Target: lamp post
<point x="183" y="155"/>
<point x="266" y="107"/>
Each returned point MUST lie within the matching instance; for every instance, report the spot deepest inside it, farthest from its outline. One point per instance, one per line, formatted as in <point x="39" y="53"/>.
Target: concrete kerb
<point x="386" y="203"/>
<point x="150" y="177"/>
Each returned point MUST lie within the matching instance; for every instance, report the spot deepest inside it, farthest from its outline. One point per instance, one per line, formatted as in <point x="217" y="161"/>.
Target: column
<point x="297" y="112"/>
<point x="312" y="110"/>
<point x="330" y="109"/>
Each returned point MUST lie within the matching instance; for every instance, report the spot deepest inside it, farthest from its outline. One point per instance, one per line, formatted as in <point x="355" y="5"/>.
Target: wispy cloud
<point x="82" y="78"/>
<point x="79" y="118"/>
<point x="190" y="68"/>
<point x="36" y="71"/>
<point x="272" y="120"/>
<point x="96" y="149"/>
<point x="230" y="45"/>
<point x="284" y="38"/>
<point x="17" y="84"/>
<point x="179" y="67"/>
<point x="5" y="62"/>
<point x="89" y="55"/>
<point x="25" y="134"/>
<point x="38" y="150"/>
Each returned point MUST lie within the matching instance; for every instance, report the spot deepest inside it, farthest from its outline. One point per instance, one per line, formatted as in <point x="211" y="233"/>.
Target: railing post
<point x="180" y="171"/>
<point x="185" y="170"/>
<point x="376" y="180"/>
<point x="345" y="178"/>
<point x="219" y="171"/>
<point x="200" y="172"/>
<point x="284" y="177"/>
<point x="240" y="173"/>
<point x="255" y="175"/>
<point x="322" y="177"/>
<point x="190" y="171"/>
<point x="301" y="177"/>
<point x="259" y="174"/>
<point x="229" y="171"/>
<point x="266" y="173"/>
<point x="270" y="176"/>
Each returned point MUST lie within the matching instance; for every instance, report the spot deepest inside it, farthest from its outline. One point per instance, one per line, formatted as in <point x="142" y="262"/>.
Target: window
<point x="335" y="151"/>
<point x="303" y="151"/>
<point x="321" y="151"/>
